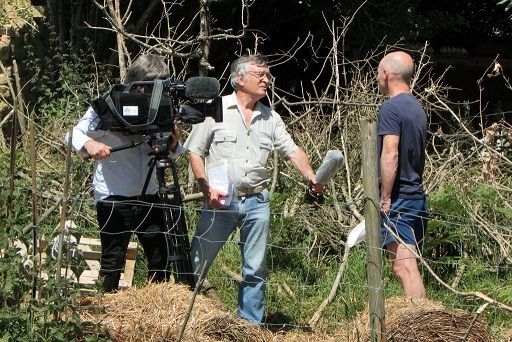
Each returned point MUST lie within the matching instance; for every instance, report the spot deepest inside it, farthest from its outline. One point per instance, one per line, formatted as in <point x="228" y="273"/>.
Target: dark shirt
<point x="402" y="115"/>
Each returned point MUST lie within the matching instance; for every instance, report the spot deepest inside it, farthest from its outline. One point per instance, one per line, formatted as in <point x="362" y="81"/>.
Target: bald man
<point x="402" y="131"/>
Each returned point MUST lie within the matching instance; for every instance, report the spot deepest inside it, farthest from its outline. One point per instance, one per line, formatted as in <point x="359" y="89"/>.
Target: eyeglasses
<point x="260" y="75"/>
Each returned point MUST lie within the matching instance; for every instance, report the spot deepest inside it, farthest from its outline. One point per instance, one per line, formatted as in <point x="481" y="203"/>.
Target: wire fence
<point x="300" y="276"/>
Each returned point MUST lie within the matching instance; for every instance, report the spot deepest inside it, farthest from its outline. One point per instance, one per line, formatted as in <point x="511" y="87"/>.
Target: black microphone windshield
<point x="202" y="88"/>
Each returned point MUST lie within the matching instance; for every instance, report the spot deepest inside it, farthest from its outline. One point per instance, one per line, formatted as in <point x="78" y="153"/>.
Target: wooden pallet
<point x="91" y="251"/>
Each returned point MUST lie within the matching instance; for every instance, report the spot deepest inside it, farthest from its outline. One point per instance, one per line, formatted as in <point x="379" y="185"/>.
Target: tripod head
<point x="160" y="142"/>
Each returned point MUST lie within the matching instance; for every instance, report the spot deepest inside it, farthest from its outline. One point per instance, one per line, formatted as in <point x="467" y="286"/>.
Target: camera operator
<point x="118" y="184"/>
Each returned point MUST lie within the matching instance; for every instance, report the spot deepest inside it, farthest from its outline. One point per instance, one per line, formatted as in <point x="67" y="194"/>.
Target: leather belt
<point x="133" y="198"/>
<point x="249" y="191"/>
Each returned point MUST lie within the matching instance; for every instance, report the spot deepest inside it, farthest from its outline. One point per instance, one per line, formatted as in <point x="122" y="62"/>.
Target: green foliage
<point x="62" y="81"/>
<point x="4" y="18"/>
<point x="489" y="202"/>
<point x="299" y="275"/>
<point x="22" y="316"/>
<point x="15" y="10"/>
<point x="302" y="266"/>
<point x="12" y="289"/>
<point x="460" y="248"/>
<point x="444" y="238"/>
<point x="140" y="277"/>
<point x="32" y="309"/>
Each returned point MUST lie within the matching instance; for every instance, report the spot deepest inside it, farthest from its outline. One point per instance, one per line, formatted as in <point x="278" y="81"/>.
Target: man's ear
<point x="385" y="73"/>
<point x="240" y="79"/>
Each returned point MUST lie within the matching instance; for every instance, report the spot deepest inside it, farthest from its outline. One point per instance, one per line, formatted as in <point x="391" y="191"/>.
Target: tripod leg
<point x="175" y="224"/>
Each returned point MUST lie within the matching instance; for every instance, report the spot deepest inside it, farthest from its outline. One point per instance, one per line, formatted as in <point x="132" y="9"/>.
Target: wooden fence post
<point x="64" y="208"/>
<point x="372" y="226"/>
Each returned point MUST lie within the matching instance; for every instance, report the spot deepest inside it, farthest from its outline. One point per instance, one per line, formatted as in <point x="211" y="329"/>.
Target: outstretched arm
<point x="300" y="160"/>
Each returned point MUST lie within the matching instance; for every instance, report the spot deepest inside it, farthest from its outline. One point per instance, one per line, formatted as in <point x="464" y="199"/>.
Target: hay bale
<point x="423" y="320"/>
<point x="156" y="313"/>
<point x="505" y="332"/>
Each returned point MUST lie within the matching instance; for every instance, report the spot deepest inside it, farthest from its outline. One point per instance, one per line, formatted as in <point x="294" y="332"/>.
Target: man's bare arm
<point x="388" y="170"/>
<point x="300" y="160"/>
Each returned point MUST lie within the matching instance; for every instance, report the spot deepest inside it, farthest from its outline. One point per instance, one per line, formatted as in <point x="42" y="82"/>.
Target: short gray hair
<point x="241" y="65"/>
<point x="147" y="68"/>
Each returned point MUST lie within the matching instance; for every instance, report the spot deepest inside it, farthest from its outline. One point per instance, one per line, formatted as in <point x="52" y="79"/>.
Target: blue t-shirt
<point x="403" y="115"/>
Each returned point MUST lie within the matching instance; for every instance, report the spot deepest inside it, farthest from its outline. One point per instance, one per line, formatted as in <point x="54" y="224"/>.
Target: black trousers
<point x="119" y="218"/>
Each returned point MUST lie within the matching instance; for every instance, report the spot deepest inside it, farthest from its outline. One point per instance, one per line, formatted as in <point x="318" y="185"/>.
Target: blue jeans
<point x="251" y="214"/>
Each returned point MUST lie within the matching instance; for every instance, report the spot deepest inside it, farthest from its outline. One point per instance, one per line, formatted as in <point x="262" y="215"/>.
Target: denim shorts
<point x="408" y="219"/>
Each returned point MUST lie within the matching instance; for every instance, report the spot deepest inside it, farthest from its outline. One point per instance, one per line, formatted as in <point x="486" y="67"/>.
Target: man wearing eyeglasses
<point x="239" y="147"/>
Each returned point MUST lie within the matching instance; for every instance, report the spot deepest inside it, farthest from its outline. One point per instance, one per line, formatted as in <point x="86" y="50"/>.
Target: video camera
<point x="132" y="109"/>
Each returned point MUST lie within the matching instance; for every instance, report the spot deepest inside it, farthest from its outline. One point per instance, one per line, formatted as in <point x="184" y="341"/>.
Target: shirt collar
<point x="232" y="103"/>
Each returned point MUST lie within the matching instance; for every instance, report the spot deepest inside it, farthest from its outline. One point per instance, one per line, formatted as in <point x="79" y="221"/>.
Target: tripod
<point x="178" y="259"/>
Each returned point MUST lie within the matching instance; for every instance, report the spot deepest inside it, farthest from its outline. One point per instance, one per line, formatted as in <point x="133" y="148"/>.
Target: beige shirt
<point x="245" y="148"/>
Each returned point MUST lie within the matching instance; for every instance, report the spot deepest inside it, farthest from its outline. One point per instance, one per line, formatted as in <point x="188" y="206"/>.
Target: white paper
<point x="217" y="173"/>
<point x="357" y="234"/>
<point x="226" y="200"/>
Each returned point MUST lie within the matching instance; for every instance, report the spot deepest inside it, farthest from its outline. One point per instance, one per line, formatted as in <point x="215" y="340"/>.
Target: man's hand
<point x="175" y="137"/>
<point x="96" y="149"/>
<point x="385" y="205"/>
<point x="314" y="192"/>
<point x="317" y="187"/>
<point x="214" y="197"/>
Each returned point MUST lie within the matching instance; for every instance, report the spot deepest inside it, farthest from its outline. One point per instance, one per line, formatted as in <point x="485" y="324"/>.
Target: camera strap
<point x="156" y="96"/>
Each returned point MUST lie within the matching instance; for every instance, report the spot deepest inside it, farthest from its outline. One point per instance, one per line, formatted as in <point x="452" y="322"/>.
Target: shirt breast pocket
<point x="224" y="142"/>
<point x="266" y="147"/>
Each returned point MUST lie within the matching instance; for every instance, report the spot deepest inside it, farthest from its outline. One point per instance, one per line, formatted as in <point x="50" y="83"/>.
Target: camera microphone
<point x="196" y="113"/>
<point x="202" y="88"/>
<point x="332" y="162"/>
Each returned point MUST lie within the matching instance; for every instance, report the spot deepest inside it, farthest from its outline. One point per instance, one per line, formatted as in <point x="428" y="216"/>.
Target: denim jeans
<point x="251" y="214"/>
